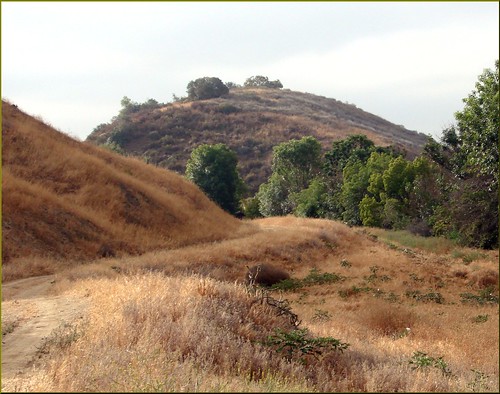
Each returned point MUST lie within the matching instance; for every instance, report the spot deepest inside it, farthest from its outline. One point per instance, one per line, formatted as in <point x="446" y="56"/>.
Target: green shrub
<point x="421" y="360"/>
<point x="296" y="344"/>
<point x="485" y="296"/>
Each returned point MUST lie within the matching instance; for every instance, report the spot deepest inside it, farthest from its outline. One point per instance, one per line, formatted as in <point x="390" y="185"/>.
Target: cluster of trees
<point x="212" y="87"/>
<point x="450" y="190"/>
<point x="262" y="81"/>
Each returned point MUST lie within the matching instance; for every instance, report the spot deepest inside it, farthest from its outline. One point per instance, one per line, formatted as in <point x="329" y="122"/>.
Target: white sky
<point x="411" y="63"/>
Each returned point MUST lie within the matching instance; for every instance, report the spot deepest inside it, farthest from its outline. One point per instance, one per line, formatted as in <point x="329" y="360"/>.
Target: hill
<point x="68" y="200"/>
<point x="251" y="121"/>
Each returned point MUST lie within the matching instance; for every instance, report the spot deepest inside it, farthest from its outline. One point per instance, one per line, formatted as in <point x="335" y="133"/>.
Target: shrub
<point x="296" y="342"/>
<point x="206" y="88"/>
<point x="421" y="360"/>
<point x="262" y="81"/>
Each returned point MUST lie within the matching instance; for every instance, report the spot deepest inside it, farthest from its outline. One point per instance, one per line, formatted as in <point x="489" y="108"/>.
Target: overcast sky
<point x="411" y="63"/>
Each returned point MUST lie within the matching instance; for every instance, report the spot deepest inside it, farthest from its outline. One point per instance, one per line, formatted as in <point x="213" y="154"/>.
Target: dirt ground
<point x="29" y="315"/>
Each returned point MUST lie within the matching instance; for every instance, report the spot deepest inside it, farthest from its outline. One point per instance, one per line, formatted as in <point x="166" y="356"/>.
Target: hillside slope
<point x="66" y="199"/>
<point x="250" y="121"/>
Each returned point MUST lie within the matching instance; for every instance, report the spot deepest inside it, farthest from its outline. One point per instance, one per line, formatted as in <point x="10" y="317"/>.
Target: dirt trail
<point x="29" y="315"/>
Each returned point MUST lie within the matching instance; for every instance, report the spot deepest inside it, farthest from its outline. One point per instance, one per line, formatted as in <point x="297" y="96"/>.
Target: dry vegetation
<point x="171" y="311"/>
<point x="183" y="320"/>
<point x="68" y="200"/>
<point x="251" y="121"/>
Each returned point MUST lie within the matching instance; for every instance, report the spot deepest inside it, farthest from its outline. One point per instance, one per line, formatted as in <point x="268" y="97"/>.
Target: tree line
<point x="450" y="190"/>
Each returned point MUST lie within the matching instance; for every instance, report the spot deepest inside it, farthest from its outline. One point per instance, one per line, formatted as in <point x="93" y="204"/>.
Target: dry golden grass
<point x="170" y="311"/>
<point x="181" y="320"/>
<point x="64" y="200"/>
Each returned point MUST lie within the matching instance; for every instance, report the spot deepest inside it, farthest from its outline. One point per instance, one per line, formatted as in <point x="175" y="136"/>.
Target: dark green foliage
<point x="311" y="202"/>
<point x="273" y="197"/>
<point x="296" y="343"/>
<point x="356" y="180"/>
<point x="315" y="277"/>
<point x="214" y="169"/>
<point x="295" y="164"/>
<point x="489" y="295"/>
<point x="474" y="213"/>
<point x="206" y="88"/>
<point x="468" y="208"/>
<point x="357" y="147"/>
<point x="429" y="297"/>
<point x="478" y="126"/>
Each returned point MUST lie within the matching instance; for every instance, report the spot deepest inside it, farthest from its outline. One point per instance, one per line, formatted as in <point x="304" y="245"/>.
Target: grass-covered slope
<point x="68" y="200"/>
<point x="180" y="320"/>
<point x="251" y="121"/>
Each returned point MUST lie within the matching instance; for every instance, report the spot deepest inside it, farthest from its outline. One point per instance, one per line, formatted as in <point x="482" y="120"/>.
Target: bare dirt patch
<point x="30" y="313"/>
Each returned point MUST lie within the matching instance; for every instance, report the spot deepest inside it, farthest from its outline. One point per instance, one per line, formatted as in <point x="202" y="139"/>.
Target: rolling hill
<point x="70" y="200"/>
<point x="251" y="121"/>
<point x="413" y="314"/>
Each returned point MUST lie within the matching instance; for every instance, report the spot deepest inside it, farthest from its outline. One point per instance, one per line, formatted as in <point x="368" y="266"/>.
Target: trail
<point x="29" y="315"/>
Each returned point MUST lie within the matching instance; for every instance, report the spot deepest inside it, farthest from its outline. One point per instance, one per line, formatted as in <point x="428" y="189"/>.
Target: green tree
<point x="469" y="153"/>
<point x="354" y="147"/>
<point x="478" y="127"/>
<point x="262" y="81"/>
<point x="370" y="211"/>
<point x="311" y="202"/>
<point x="273" y="197"/>
<point x="214" y="169"/>
<point x="356" y="180"/>
<point x="371" y="206"/>
<point x="206" y="88"/>
<point x="295" y="164"/>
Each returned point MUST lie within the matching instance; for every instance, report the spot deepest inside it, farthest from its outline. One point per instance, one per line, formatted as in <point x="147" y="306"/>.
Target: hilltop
<point x="68" y="200"/>
<point x="250" y="121"/>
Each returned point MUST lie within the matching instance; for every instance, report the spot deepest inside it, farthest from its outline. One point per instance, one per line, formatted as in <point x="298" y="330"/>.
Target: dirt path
<point x="29" y="315"/>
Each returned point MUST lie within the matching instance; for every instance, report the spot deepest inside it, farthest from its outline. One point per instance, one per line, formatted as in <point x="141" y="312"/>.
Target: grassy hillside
<point x="362" y="310"/>
<point x="68" y="200"/>
<point x="414" y="320"/>
<point x="250" y="121"/>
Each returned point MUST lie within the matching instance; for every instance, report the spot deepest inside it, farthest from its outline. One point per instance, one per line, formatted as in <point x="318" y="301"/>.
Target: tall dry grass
<point x="180" y="320"/>
<point x="64" y="199"/>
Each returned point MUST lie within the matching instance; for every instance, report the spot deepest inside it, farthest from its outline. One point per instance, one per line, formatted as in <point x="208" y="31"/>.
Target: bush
<point x="206" y="88"/>
<point x="261" y="81"/>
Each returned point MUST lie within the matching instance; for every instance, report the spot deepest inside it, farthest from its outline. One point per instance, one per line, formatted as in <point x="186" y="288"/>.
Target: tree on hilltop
<point x="206" y="88"/>
<point x="262" y="81"/>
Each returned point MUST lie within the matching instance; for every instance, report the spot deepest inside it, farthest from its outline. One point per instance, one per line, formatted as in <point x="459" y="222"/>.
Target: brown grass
<point x="65" y="200"/>
<point x="180" y="329"/>
<point x="171" y="312"/>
